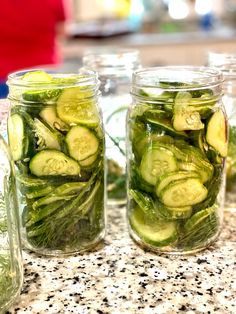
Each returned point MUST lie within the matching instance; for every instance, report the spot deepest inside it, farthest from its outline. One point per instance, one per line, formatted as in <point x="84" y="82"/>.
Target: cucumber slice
<point x="155" y="162"/>
<point x="18" y="140"/>
<point x="65" y="191"/>
<point x="46" y="138"/>
<point x="155" y="232"/>
<point x="83" y="145"/>
<point x="75" y="105"/>
<point x="205" y="173"/>
<point x="41" y="95"/>
<point x="49" y="115"/>
<point x="145" y="202"/>
<point x="198" y="218"/>
<point x="51" y="199"/>
<point x="200" y="228"/>
<point x="69" y="188"/>
<point x="144" y="140"/>
<point x="40" y="192"/>
<point x="37" y="77"/>
<point x="173" y="213"/>
<point x="184" y="192"/>
<point x="165" y="124"/>
<point x="170" y="177"/>
<point x="53" y="163"/>
<point x="31" y="183"/>
<point x="185" y="118"/>
<point x="216" y="134"/>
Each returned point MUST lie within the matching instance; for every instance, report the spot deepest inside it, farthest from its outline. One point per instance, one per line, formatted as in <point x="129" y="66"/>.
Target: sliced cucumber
<point x="18" y="140"/>
<point x="205" y="173"/>
<point x="49" y="115"/>
<point x="31" y="182"/>
<point x="53" y="163"/>
<point x="200" y="228"/>
<point x="76" y="106"/>
<point x="185" y="118"/>
<point x="145" y="202"/>
<point x="46" y="138"/>
<point x="65" y="191"/>
<point x="198" y="218"/>
<point x="183" y="193"/>
<point x="216" y="134"/>
<point x="41" y="95"/>
<point x="83" y="145"/>
<point x="142" y="142"/>
<point x="40" y="192"/>
<point x="155" y="162"/>
<point x="164" y="180"/>
<point x="155" y="232"/>
<point x="37" y="76"/>
<point x="173" y="213"/>
<point x="69" y="188"/>
<point x="51" y="199"/>
<point x="165" y="124"/>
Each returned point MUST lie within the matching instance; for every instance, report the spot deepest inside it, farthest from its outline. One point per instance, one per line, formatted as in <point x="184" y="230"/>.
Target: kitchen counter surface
<point x="119" y="277"/>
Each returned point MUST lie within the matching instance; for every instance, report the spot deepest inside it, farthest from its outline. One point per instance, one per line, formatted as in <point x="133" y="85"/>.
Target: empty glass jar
<point x="226" y="62"/>
<point x="176" y="148"/>
<point x="56" y="138"/>
<point x="11" y="271"/>
<point x="115" y="67"/>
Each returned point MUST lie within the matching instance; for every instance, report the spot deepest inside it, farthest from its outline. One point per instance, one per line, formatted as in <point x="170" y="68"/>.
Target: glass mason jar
<point x="4" y="107"/>
<point x="176" y="148"/>
<point x="227" y="64"/>
<point x="115" y="67"/>
<point x="57" y="141"/>
<point x="11" y="270"/>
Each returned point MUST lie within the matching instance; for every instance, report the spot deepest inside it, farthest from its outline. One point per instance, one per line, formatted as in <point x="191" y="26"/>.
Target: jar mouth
<point x="226" y="62"/>
<point x="111" y="60"/>
<point x="176" y="78"/>
<point x="84" y="77"/>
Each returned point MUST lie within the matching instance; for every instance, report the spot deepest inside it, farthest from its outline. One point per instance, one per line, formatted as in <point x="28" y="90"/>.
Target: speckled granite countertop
<point x="119" y="277"/>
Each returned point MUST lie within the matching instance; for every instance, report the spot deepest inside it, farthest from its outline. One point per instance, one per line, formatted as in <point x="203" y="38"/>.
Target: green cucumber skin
<point x="194" y="156"/>
<point x="48" y="197"/>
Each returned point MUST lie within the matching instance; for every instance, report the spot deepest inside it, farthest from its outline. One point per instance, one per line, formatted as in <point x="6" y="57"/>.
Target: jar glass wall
<point x="115" y="67"/>
<point x="57" y="141"/>
<point x="176" y="148"/>
<point x="11" y="271"/>
<point x="226" y="63"/>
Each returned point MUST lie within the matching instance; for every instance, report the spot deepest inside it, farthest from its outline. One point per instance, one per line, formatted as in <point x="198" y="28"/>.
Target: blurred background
<point x="164" y="31"/>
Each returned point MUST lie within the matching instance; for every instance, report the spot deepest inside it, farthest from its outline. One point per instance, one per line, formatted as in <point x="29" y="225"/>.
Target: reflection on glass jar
<point x="115" y="67"/>
<point x="227" y="64"/>
<point x="57" y="142"/>
<point x="176" y="148"/>
<point x="4" y="107"/>
<point x="11" y="271"/>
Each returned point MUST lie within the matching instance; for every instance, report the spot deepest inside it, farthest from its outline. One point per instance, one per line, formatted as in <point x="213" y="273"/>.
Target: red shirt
<point x="28" y="33"/>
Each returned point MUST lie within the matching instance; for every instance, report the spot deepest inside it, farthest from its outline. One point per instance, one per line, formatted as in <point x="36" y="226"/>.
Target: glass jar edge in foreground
<point x="11" y="276"/>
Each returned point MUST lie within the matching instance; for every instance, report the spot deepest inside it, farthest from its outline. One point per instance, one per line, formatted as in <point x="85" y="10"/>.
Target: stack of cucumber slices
<point x="57" y="144"/>
<point x="179" y="143"/>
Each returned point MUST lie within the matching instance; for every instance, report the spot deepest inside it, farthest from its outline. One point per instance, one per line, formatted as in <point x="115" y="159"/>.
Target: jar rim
<point x="226" y="62"/>
<point x="83" y="77"/>
<point x="195" y="77"/>
<point x="111" y="60"/>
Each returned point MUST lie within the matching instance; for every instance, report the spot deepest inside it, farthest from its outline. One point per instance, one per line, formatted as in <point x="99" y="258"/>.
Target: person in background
<point x="29" y="30"/>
